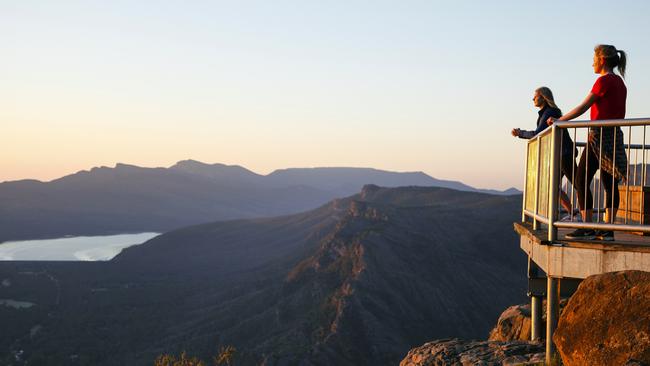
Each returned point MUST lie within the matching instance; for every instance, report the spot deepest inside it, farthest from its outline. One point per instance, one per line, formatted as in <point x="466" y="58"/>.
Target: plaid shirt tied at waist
<point x="613" y="159"/>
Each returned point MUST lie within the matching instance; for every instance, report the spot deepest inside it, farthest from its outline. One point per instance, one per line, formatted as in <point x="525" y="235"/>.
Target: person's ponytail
<point x="622" y="61"/>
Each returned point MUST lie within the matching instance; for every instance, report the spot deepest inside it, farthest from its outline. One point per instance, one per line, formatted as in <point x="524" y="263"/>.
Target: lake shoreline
<point x="72" y="248"/>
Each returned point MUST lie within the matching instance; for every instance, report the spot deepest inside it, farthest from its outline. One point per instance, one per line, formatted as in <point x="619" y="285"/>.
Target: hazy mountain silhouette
<point x="128" y="198"/>
<point x="221" y="172"/>
<point x="358" y="281"/>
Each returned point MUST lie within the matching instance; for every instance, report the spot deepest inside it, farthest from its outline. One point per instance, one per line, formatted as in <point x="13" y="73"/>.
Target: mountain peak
<point x="222" y="172"/>
<point x="191" y="163"/>
<point x="368" y="190"/>
<point x="511" y="191"/>
<point x="123" y="166"/>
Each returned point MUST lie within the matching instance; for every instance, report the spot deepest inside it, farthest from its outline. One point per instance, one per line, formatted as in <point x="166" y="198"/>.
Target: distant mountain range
<point x="358" y="281"/>
<point x="128" y="198"/>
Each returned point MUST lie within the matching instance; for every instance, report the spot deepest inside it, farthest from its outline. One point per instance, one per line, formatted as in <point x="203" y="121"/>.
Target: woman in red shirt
<point x="607" y="101"/>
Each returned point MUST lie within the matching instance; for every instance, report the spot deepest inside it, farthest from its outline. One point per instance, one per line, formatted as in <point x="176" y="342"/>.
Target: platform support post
<point x="536" y="318"/>
<point x="552" y="314"/>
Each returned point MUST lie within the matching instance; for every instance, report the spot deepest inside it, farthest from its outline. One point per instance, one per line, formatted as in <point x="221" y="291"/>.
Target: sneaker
<point x="567" y="218"/>
<point x="605" y="235"/>
<point x="584" y="234"/>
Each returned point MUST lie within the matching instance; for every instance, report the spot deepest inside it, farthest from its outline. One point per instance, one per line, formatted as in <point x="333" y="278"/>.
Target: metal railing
<point x="542" y="185"/>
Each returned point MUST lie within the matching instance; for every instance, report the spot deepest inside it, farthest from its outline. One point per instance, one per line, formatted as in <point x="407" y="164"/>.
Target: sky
<point x="432" y="86"/>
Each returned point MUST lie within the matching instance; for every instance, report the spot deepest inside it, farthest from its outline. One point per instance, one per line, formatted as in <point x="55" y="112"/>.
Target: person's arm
<point x="580" y="109"/>
<point x="577" y="111"/>
<point x="524" y="134"/>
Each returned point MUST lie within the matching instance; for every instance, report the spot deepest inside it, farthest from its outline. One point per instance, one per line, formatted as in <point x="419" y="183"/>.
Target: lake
<point x="78" y="248"/>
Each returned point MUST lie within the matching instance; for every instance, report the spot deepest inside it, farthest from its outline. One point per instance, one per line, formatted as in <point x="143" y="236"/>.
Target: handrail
<point x="593" y="225"/>
<point x="631" y="146"/>
<point x="542" y="177"/>
<point x="535" y="216"/>
<point x="597" y="123"/>
<point x="604" y="123"/>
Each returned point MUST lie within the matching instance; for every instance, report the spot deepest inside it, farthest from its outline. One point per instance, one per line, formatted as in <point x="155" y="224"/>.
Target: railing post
<point x="552" y="289"/>
<point x="554" y="182"/>
<point x="523" y="205"/>
<point x="539" y="149"/>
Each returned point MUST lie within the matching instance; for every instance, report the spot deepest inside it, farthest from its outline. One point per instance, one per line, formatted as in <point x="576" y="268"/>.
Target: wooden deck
<point x="570" y="258"/>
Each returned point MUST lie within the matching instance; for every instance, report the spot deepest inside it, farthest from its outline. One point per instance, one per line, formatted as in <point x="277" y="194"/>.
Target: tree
<point x="226" y="355"/>
<point x="183" y="360"/>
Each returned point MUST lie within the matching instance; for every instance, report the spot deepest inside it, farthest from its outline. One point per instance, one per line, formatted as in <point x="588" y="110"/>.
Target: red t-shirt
<point x="611" y="93"/>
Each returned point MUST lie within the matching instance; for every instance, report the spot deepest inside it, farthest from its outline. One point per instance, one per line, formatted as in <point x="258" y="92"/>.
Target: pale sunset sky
<point x="432" y="86"/>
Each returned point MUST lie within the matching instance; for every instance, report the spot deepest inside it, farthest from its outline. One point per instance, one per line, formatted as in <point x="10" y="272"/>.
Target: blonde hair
<point x="547" y="95"/>
<point x="613" y="57"/>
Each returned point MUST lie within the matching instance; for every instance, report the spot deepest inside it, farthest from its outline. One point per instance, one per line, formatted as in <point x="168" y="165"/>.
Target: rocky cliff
<point x="455" y="352"/>
<point x="606" y="322"/>
<point x="359" y="281"/>
<point x="514" y="323"/>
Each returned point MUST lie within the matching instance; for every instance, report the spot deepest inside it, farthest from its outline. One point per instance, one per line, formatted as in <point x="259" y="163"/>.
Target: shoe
<point x="584" y="234"/>
<point x="567" y="218"/>
<point x="605" y="235"/>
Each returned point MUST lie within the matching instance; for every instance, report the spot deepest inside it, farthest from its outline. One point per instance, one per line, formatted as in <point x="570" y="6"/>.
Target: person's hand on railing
<point x="515" y="132"/>
<point x="551" y="120"/>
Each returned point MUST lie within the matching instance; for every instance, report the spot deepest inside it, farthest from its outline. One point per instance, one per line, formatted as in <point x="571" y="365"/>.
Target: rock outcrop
<point x="607" y="321"/>
<point x="455" y="352"/>
<point x="513" y="325"/>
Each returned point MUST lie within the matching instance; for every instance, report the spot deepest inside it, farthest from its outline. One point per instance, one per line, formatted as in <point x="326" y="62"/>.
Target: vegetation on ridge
<point x="224" y="358"/>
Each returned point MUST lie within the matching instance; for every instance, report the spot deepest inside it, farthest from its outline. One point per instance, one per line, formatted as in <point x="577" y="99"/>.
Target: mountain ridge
<point x="128" y="198"/>
<point x="188" y="164"/>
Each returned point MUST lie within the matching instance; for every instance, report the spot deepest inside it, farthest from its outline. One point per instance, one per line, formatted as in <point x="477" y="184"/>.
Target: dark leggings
<point x="568" y="167"/>
<point x="586" y="171"/>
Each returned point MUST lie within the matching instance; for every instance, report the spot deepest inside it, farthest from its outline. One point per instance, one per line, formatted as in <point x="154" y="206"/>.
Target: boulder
<point x="455" y="352"/>
<point x="513" y="325"/>
<point x="607" y="321"/>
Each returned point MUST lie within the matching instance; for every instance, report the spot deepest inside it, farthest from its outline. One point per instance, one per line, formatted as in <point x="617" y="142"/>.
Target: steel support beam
<point x="552" y="315"/>
<point x="536" y="318"/>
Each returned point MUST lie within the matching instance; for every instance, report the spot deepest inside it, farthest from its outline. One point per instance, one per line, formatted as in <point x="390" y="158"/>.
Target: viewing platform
<point x="557" y="264"/>
<point x="579" y="259"/>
